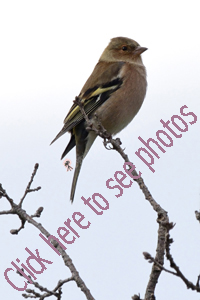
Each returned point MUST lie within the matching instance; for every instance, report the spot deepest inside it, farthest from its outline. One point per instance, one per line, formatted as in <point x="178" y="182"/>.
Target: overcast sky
<point x="48" y="50"/>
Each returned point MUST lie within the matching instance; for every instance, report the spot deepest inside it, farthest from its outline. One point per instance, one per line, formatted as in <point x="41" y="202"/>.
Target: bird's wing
<point x="96" y="91"/>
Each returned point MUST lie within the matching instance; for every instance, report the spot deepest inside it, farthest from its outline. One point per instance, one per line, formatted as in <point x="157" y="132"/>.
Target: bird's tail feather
<point x="71" y="144"/>
<point x="75" y="178"/>
<point x="63" y="130"/>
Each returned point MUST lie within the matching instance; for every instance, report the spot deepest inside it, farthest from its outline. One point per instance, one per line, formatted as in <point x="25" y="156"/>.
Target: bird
<point x="113" y="94"/>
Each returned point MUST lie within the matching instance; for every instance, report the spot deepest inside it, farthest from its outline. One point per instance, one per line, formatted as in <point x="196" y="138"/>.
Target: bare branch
<point x="6" y="212"/>
<point x="32" y="292"/>
<point x="5" y="195"/>
<point x="38" y="212"/>
<point x="150" y="259"/>
<point x="24" y="217"/>
<point x="198" y="279"/>
<point x="136" y="297"/>
<point x="61" y="282"/>
<point x="197" y="213"/>
<point x="173" y="265"/>
<point x="28" y="190"/>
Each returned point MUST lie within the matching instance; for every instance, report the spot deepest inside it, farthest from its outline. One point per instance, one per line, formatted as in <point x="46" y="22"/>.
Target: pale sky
<point x="48" y="50"/>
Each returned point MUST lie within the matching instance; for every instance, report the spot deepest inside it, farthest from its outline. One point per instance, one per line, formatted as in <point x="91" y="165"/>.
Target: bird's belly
<point x="119" y="110"/>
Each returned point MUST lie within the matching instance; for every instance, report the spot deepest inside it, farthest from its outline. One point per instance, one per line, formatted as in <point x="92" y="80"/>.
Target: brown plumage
<point x="114" y="92"/>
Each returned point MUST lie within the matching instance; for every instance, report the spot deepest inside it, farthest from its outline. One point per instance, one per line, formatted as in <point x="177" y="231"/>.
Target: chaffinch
<point x="114" y="92"/>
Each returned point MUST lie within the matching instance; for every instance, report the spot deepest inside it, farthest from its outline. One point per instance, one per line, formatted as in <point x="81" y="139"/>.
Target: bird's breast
<point x="123" y="104"/>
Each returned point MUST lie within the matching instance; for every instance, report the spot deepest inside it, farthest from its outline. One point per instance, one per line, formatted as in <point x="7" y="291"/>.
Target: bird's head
<point x="122" y="49"/>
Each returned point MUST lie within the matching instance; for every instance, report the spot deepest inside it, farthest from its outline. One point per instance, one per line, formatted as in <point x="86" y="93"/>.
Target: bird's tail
<point x="83" y="143"/>
<point x="75" y="178"/>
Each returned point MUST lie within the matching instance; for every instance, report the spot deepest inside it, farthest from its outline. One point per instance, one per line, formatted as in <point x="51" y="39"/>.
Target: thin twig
<point x="173" y="265"/>
<point x="150" y="259"/>
<point x="28" y="190"/>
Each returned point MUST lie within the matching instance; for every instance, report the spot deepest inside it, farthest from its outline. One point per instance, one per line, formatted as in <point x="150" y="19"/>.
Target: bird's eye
<point x="124" y="48"/>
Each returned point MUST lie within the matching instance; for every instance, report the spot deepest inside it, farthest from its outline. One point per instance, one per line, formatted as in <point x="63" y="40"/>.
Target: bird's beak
<point x="139" y="50"/>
